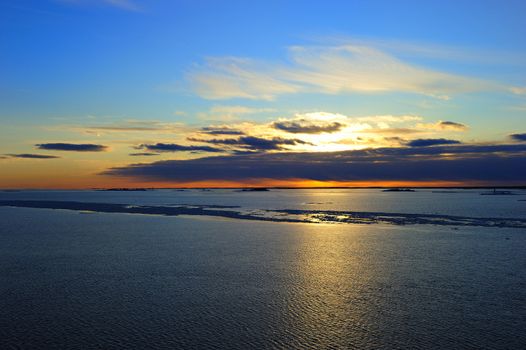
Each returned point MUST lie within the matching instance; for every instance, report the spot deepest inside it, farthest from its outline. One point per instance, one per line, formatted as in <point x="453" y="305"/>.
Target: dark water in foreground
<point x="110" y="281"/>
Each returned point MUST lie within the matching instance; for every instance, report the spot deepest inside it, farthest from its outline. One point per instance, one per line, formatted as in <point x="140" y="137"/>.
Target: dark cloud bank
<point x="74" y="147"/>
<point x="493" y="163"/>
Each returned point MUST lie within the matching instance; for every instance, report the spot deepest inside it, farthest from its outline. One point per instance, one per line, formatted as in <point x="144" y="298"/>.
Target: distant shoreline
<point x="522" y="187"/>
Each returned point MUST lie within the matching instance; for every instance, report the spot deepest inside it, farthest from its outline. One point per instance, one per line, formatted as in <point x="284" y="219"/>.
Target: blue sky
<point x="90" y="57"/>
<point x="83" y="63"/>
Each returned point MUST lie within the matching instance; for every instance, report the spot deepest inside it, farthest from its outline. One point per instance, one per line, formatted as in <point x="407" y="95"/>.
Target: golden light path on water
<point x="337" y="299"/>
<point x="326" y="298"/>
<point x="345" y="294"/>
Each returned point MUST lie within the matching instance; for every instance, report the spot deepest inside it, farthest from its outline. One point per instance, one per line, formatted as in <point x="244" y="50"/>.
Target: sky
<point x="136" y="93"/>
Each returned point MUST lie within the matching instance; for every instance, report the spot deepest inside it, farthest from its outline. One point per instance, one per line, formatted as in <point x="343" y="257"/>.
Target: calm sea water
<point x="113" y="281"/>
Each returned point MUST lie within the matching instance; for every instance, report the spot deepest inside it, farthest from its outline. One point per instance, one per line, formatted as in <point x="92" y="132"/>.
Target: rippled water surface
<point x="101" y="281"/>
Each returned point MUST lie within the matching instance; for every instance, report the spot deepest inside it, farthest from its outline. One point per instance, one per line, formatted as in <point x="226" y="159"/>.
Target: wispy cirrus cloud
<point x="237" y="110"/>
<point x="126" y="126"/>
<point x="228" y="113"/>
<point x="343" y="68"/>
<point x="230" y="77"/>
<point x="352" y="68"/>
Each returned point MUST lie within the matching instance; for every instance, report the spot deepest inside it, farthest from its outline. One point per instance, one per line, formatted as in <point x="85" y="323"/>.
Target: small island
<point x="255" y="189"/>
<point x="496" y="192"/>
<point x="398" y="190"/>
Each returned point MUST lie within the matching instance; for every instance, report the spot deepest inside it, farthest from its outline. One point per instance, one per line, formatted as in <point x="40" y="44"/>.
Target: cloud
<point x="443" y="163"/>
<point x="144" y="154"/>
<point x="87" y="147"/>
<point x="127" y="126"/>
<point x="172" y="147"/>
<point x="237" y="110"/>
<point x="431" y="142"/>
<point x="122" y="128"/>
<point x="428" y="50"/>
<point x="231" y="77"/>
<point x="518" y="137"/>
<point x="32" y="156"/>
<point x="518" y="90"/>
<point x="228" y="113"/>
<point x="326" y="131"/>
<point x="444" y="125"/>
<point x="303" y="126"/>
<point x="344" y="68"/>
<point x="398" y="131"/>
<point x="390" y="118"/>
<point x="220" y="130"/>
<point x="255" y="143"/>
<point x="360" y="68"/>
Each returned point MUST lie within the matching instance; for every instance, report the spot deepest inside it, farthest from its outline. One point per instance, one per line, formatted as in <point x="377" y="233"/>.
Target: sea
<point x="276" y="269"/>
